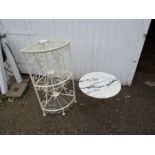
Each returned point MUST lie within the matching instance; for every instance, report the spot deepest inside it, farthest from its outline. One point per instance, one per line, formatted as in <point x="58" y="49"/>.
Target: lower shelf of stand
<point x="59" y="104"/>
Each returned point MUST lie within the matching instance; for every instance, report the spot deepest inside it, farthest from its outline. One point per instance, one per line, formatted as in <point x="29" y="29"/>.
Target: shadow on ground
<point x="130" y="112"/>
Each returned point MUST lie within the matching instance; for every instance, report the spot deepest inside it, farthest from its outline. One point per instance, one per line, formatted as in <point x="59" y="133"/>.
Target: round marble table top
<point x="99" y="85"/>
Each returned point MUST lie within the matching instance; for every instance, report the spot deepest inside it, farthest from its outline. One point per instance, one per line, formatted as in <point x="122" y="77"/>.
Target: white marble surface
<point x="99" y="85"/>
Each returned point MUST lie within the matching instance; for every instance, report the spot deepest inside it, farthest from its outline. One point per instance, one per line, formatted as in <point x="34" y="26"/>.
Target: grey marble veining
<point x="99" y="85"/>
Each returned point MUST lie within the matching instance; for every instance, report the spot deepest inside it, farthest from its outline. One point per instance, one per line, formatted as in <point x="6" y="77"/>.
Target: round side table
<point x="99" y="85"/>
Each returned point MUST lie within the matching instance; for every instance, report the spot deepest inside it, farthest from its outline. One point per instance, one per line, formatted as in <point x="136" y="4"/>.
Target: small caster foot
<point x="75" y="101"/>
<point x="63" y="113"/>
<point x="44" y="114"/>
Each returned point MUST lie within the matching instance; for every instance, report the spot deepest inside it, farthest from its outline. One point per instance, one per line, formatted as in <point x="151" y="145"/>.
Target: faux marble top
<point x="99" y="85"/>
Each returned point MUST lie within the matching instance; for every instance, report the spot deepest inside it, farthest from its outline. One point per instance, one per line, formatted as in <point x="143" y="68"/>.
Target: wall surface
<point x="112" y="46"/>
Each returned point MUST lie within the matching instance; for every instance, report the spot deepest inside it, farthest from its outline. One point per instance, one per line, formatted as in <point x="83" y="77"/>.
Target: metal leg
<point x="75" y="101"/>
<point x="63" y="112"/>
<point x="44" y="113"/>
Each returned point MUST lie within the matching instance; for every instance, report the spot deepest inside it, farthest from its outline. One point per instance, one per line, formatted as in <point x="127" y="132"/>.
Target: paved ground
<point x="130" y="112"/>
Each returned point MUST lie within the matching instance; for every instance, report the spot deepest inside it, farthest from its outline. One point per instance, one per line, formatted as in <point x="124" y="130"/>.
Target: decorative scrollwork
<point x="52" y="81"/>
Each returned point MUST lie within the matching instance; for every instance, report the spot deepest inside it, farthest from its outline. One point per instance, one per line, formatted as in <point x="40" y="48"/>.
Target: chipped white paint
<point x="98" y="45"/>
<point x="100" y="85"/>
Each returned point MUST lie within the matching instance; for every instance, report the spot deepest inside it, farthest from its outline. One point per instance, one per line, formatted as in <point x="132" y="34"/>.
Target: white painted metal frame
<point x="52" y="76"/>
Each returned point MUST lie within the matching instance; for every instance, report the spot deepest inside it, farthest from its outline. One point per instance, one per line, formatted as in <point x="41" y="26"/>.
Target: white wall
<point x="112" y="46"/>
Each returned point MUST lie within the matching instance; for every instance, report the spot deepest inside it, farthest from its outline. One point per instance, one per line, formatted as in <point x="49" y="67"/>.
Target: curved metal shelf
<point x="58" y="106"/>
<point x="45" y="46"/>
<point x="51" y="83"/>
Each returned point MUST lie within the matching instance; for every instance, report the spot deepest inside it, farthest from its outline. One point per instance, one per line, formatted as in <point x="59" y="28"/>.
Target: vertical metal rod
<point x="72" y="73"/>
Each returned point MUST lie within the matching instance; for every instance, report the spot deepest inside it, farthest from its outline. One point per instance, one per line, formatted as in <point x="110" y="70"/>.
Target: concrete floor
<point x="130" y="112"/>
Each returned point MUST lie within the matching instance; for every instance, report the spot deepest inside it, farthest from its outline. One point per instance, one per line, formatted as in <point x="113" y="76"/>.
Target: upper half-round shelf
<point x="45" y="46"/>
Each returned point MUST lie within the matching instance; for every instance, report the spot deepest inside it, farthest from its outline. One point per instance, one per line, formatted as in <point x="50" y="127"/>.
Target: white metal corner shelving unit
<point x="49" y="64"/>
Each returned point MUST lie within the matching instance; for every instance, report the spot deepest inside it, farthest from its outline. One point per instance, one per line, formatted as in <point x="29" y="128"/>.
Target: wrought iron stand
<point x="49" y="64"/>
